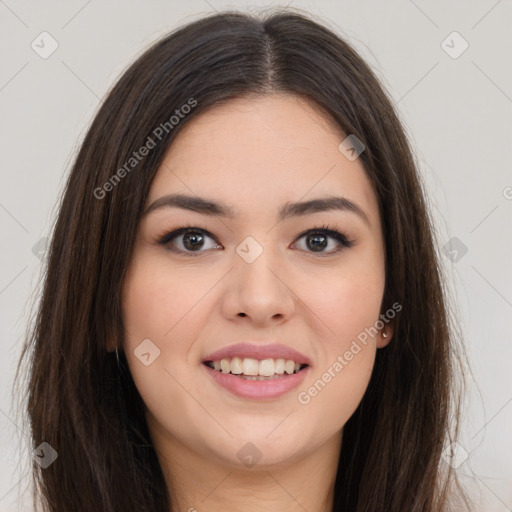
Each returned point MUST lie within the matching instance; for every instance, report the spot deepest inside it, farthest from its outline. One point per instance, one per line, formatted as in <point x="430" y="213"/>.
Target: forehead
<point x="262" y="151"/>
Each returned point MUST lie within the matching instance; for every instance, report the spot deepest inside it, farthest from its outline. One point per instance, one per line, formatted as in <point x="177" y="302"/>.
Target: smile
<point x="257" y="379"/>
<point x="250" y="367"/>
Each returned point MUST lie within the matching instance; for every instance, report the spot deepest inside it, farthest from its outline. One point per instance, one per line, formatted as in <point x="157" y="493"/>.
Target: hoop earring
<point x="384" y="334"/>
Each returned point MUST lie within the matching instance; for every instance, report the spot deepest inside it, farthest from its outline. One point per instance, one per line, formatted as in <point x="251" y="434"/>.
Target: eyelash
<point x="330" y="231"/>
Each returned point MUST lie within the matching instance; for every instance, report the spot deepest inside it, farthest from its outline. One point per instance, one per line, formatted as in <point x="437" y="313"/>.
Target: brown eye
<point x="316" y="240"/>
<point x="189" y="240"/>
<point x="193" y="241"/>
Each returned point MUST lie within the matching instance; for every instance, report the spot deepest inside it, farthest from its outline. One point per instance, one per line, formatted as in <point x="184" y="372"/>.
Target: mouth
<point x="256" y="387"/>
<point x="257" y="371"/>
<point x="254" y="369"/>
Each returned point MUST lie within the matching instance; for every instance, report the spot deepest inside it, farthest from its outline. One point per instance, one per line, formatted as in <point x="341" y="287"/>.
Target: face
<point x="255" y="278"/>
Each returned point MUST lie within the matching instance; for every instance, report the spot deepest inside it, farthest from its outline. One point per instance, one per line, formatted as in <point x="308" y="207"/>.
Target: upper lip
<point x="259" y="351"/>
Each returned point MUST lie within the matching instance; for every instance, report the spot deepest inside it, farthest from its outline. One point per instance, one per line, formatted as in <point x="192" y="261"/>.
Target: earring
<point x="384" y="334"/>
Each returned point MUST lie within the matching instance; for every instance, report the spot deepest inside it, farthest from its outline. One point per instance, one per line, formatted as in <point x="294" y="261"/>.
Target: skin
<point x="256" y="154"/>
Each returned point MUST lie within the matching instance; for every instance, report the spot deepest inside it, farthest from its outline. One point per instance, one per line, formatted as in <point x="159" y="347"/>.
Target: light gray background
<point x="456" y="111"/>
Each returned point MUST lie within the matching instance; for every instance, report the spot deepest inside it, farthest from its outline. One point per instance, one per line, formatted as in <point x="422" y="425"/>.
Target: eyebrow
<point x="218" y="209"/>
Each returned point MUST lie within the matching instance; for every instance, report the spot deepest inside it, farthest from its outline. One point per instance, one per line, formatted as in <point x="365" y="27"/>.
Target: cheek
<point x="349" y="306"/>
<point x="346" y="358"/>
<point x="155" y="307"/>
<point x="346" y="310"/>
<point x="335" y="390"/>
<point x="156" y="302"/>
<point x="348" y="300"/>
<point x="169" y="305"/>
<point x="160" y="314"/>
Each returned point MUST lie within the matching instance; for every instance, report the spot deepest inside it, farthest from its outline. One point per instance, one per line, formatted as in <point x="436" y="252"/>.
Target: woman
<point x="243" y="307"/>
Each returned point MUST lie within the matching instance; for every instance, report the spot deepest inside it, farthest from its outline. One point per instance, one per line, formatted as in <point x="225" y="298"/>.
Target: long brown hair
<point x="83" y="402"/>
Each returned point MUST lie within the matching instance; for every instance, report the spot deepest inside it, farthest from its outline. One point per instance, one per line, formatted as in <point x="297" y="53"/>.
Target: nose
<point x="260" y="291"/>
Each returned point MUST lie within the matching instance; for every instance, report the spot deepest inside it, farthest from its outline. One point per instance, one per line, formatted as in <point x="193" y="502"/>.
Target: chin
<point x="259" y="450"/>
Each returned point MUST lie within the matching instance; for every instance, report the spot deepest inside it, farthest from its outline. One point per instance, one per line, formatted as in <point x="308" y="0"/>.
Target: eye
<point x="318" y="239"/>
<point x="192" y="240"/>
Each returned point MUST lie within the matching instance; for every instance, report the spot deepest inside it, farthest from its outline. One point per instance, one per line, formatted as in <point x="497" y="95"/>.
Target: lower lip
<point x="257" y="389"/>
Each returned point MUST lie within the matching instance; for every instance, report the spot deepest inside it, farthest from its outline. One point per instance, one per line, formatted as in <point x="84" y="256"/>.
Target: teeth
<point x="250" y="366"/>
<point x="225" y="366"/>
<point x="289" y="366"/>
<point x="236" y="366"/>
<point x="279" y="366"/>
<point x="254" y="369"/>
<point x="258" y="377"/>
<point x="266" y="368"/>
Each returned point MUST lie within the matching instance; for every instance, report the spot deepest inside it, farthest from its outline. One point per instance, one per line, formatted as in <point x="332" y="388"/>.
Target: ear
<point x="386" y="334"/>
